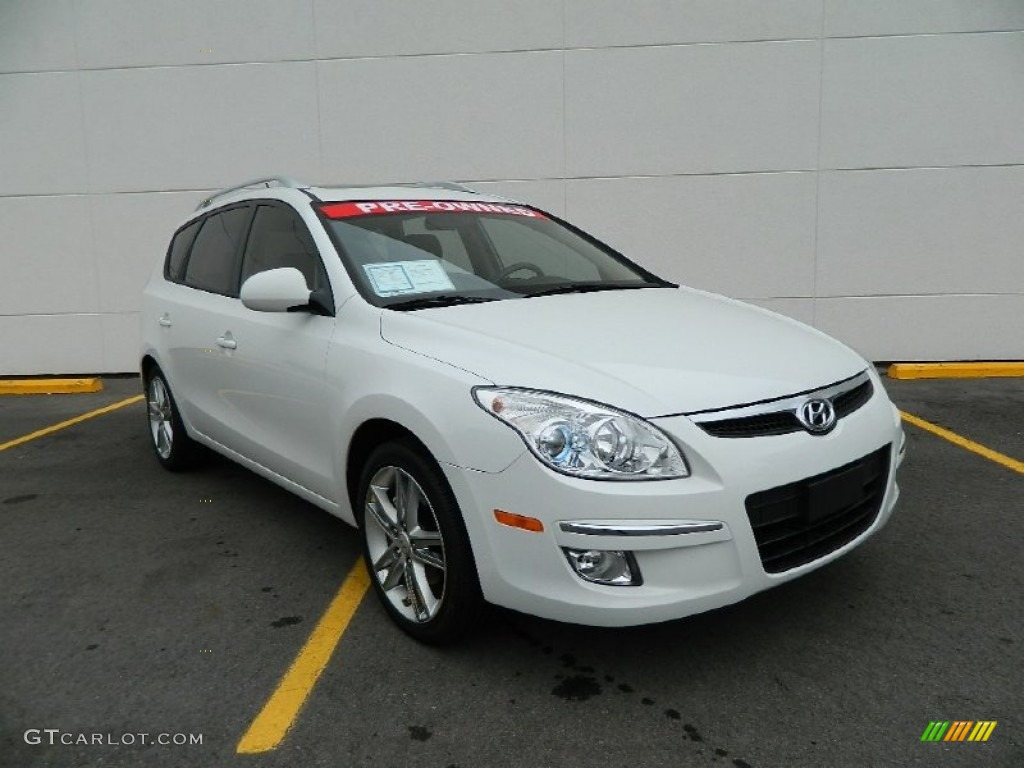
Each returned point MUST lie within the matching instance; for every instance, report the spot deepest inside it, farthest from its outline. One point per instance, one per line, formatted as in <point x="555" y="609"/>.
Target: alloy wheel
<point x="160" y="417"/>
<point x="405" y="544"/>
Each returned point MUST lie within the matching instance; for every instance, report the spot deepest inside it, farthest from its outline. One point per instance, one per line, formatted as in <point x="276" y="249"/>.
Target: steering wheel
<point x="511" y="269"/>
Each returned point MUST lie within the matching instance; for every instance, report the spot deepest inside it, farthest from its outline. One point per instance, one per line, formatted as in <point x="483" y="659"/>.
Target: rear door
<point x="272" y="392"/>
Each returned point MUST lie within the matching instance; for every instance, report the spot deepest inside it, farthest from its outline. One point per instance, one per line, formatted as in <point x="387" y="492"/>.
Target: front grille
<point x="797" y="523"/>
<point x="761" y="425"/>
<point x="848" y="402"/>
<point x="779" y="417"/>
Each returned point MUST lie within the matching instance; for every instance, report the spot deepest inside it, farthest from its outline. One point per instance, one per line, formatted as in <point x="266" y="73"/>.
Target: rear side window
<point x="279" y="238"/>
<point x="213" y="265"/>
<point x="178" y="250"/>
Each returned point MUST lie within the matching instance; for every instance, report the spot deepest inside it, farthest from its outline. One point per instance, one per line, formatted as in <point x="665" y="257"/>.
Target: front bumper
<point x="692" y="539"/>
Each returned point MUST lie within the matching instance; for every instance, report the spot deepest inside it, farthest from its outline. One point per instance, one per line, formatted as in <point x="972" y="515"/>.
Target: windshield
<point x="414" y="254"/>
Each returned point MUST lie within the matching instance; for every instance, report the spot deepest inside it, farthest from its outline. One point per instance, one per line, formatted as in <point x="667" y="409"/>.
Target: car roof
<point x="290" y="190"/>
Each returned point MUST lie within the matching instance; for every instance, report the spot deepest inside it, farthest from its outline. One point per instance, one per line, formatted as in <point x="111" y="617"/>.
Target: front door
<point x="272" y="386"/>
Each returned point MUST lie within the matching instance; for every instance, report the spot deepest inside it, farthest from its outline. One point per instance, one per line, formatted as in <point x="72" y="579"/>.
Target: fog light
<point x="613" y="567"/>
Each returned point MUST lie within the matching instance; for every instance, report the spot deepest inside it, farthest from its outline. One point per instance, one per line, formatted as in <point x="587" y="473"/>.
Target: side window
<point x="279" y="238"/>
<point x="515" y="242"/>
<point x="178" y="250"/>
<point x="213" y="264"/>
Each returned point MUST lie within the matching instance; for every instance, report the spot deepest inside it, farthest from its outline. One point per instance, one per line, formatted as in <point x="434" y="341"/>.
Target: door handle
<point x="165" y="320"/>
<point x="226" y="341"/>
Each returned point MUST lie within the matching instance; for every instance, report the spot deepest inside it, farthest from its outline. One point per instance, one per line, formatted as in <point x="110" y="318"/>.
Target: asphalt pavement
<point x="136" y="601"/>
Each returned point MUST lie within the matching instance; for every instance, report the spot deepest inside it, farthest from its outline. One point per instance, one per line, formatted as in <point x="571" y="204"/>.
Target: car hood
<point x="654" y="352"/>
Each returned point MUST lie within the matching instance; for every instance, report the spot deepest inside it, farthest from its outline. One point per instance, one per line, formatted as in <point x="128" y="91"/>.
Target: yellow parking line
<point x="963" y="442"/>
<point x="49" y="386"/>
<point x="271" y="725"/>
<point x="69" y="422"/>
<point x="955" y="370"/>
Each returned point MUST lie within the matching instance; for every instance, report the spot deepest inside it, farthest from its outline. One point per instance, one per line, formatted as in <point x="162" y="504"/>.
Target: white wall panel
<point x="42" y="146"/>
<point x="44" y="344"/>
<point x="122" y="339"/>
<point x="923" y="101"/>
<point x="734" y="145"/>
<point x="547" y="194"/>
<point x="486" y="116"/>
<point x="600" y="23"/>
<point x="130" y="33"/>
<point x="47" y="262"/>
<point x="798" y="309"/>
<point x="937" y="230"/>
<point x="692" y="109"/>
<point x="927" y="327"/>
<point x="193" y="127"/>
<point x="405" y="27"/>
<point x="849" y="18"/>
<point x="748" y="235"/>
<point x="132" y="235"/>
<point x="36" y="36"/>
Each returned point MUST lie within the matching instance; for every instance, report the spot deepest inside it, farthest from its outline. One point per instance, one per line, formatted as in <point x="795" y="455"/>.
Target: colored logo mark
<point x="958" y="730"/>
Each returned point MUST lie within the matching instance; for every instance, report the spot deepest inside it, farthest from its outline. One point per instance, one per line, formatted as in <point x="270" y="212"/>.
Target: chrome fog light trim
<point x="665" y="529"/>
<point x="610" y="567"/>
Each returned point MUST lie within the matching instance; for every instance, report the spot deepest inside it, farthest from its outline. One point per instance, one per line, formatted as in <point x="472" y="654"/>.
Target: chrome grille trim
<point x="783" y="410"/>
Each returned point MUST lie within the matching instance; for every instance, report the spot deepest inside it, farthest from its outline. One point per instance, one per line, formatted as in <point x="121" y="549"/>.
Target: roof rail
<point x="452" y="185"/>
<point x="269" y="181"/>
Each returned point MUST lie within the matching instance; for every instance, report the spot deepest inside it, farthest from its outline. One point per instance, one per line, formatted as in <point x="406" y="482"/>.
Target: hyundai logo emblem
<point x="817" y="416"/>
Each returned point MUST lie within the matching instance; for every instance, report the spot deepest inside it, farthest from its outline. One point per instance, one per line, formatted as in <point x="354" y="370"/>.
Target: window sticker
<point x="397" y="278"/>
<point x="347" y="210"/>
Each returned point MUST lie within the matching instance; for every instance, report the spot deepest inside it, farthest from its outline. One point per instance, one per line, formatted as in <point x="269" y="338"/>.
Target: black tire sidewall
<point x="462" y="601"/>
<point x="183" y="449"/>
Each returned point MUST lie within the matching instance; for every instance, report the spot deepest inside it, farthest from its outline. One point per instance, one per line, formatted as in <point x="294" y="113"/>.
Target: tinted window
<point x="213" y="265"/>
<point x="409" y="249"/>
<point x="518" y="244"/>
<point x="178" y="250"/>
<point x="279" y="238"/>
<point x="443" y="243"/>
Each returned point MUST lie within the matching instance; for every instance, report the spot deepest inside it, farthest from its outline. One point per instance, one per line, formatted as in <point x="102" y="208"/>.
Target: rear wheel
<point x="174" y="449"/>
<point x="415" y="545"/>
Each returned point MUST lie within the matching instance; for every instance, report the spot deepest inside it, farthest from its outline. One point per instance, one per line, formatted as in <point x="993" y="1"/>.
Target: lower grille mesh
<point x="798" y="523"/>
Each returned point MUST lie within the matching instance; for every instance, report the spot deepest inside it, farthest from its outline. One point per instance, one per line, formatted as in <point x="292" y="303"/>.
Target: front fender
<point x="429" y="398"/>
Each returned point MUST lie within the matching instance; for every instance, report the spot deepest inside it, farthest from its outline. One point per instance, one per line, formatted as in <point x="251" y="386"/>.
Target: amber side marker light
<point x="518" y="521"/>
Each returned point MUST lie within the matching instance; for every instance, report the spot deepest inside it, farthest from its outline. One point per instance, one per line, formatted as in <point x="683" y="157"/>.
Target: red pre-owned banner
<point x="364" y="208"/>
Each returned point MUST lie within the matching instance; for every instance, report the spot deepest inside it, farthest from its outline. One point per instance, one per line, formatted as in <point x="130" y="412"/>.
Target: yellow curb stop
<point x="977" y="370"/>
<point x="49" y="386"/>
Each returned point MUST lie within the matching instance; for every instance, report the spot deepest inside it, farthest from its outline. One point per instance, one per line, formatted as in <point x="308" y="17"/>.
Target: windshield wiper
<point x="441" y="300"/>
<point x="593" y="288"/>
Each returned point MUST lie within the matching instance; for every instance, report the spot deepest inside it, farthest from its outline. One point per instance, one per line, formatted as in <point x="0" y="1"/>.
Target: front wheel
<point x="415" y="545"/>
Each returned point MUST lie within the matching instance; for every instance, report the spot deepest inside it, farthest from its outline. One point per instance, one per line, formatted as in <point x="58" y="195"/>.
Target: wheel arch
<point x="367" y="437"/>
<point x="146" y="366"/>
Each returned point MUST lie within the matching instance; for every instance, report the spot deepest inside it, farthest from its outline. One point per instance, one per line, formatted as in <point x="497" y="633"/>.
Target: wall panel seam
<point x="817" y="174"/>
<point x="564" y="48"/>
<point x="126" y="313"/>
<point x="579" y="177"/>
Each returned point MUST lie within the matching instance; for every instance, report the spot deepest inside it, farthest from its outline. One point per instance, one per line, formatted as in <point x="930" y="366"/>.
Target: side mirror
<point x="276" y="290"/>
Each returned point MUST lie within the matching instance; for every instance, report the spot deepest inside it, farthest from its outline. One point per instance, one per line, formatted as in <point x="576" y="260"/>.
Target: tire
<point x="415" y="545"/>
<point x="173" y="448"/>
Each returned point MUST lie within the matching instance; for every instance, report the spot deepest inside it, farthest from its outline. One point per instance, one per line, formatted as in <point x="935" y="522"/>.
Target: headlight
<point x="584" y="439"/>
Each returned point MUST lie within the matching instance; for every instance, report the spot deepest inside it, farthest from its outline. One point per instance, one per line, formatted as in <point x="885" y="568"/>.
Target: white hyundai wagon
<point x="508" y="409"/>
